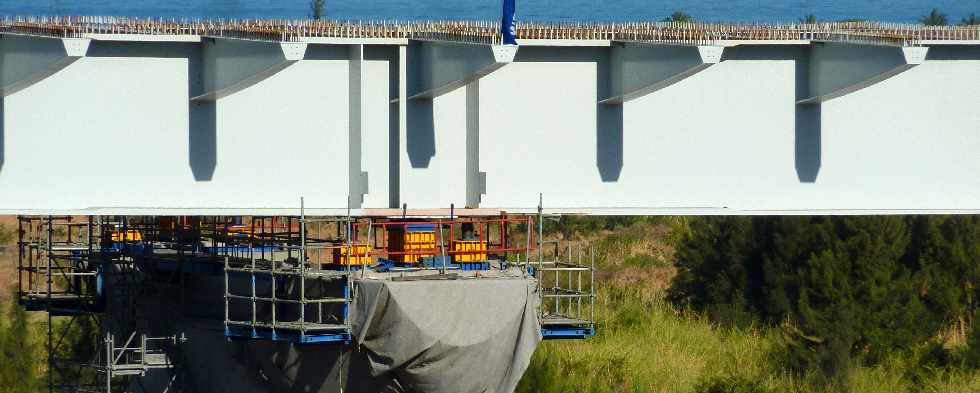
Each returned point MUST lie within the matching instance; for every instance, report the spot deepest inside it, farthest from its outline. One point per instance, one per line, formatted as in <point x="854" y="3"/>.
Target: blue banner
<point x="508" y="27"/>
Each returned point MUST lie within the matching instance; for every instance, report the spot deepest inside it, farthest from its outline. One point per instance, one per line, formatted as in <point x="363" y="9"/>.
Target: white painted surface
<point x="112" y="133"/>
<point x="725" y="138"/>
<point x="442" y="181"/>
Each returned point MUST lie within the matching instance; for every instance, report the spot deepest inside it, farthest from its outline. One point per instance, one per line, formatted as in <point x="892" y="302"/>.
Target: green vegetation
<point x="855" y="304"/>
<point x="935" y="18"/>
<point x="730" y="385"/>
<point x="725" y="305"/>
<point x="679" y="17"/>
<point x="316" y="9"/>
<point x="6" y="235"/>
<point x="971" y="20"/>
<point x="809" y="19"/>
<point x="19" y="351"/>
<point x="845" y="289"/>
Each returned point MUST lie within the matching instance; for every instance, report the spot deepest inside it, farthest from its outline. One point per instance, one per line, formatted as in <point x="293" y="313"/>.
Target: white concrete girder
<point x="437" y="68"/>
<point x="232" y="65"/>
<point x="550" y="137"/>
<point x="837" y="69"/>
<point x="638" y="69"/>
<point x="28" y="60"/>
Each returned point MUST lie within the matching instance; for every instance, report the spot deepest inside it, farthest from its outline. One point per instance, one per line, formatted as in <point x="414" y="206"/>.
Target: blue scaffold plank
<point x="341" y="268"/>
<point x="473" y="266"/>
<point x="240" y="249"/>
<point x="242" y="333"/>
<point x="567" y="332"/>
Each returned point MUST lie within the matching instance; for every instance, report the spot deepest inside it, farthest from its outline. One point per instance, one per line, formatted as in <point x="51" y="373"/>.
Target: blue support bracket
<point x="560" y="332"/>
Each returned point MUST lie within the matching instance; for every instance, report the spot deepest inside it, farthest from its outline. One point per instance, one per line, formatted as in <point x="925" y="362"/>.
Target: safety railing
<point x="58" y="264"/>
<point x="488" y="32"/>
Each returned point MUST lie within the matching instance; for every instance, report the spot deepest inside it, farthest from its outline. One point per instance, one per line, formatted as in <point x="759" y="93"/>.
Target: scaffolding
<point x="59" y="269"/>
<point x="293" y="290"/>
<point x="286" y="278"/>
<point x="453" y="244"/>
<point x="74" y="268"/>
<point x="566" y="287"/>
<point x="136" y="358"/>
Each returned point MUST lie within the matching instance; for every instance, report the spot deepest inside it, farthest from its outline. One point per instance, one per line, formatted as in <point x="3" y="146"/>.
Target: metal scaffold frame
<point x="66" y="267"/>
<point x="567" y="308"/>
<point x="286" y="278"/>
<point x="58" y="266"/>
<point x="137" y="358"/>
<point x="280" y="256"/>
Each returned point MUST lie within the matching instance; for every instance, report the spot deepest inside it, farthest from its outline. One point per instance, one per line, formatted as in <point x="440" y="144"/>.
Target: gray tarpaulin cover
<point x="466" y="335"/>
<point x="447" y="335"/>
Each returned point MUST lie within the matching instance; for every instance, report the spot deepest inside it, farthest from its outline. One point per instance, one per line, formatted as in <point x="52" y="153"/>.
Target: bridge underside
<point x="221" y="126"/>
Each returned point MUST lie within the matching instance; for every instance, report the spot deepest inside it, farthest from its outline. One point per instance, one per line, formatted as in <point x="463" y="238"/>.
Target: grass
<point x="8" y="259"/>
<point x="645" y="344"/>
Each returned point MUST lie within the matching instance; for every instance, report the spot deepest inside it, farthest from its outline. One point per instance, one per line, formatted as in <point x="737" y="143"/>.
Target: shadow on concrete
<point x="953" y="52"/>
<point x="807" y="118"/>
<point x="808" y="133"/>
<point x="808" y="143"/>
<point x="202" y="128"/>
<point x="203" y="140"/>
<point x="1" y="134"/>
<point x="394" y="139"/>
<point x="609" y="141"/>
<point x="327" y="52"/>
<point x="421" y="134"/>
<point x="609" y="126"/>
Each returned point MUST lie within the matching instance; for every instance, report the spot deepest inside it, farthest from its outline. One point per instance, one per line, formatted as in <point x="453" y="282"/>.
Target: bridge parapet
<point x="488" y="32"/>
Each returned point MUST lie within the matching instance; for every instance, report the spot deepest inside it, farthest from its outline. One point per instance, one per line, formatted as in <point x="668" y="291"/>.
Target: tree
<point x="17" y="349"/>
<point x="858" y="300"/>
<point x="971" y="20"/>
<point x="712" y="273"/>
<point x="809" y="19"/>
<point x="679" y="17"/>
<point x="845" y="289"/>
<point x="935" y="18"/>
<point x="316" y="8"/>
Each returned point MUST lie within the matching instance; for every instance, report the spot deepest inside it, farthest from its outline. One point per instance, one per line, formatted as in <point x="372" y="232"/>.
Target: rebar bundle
<point x="488" y="32"/>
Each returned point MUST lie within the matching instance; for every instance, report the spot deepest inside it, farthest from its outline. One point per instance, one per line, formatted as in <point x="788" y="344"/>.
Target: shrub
<point x="730" y="384"/>
<point x="6" y="235"/>
<point x="854" y="288"/>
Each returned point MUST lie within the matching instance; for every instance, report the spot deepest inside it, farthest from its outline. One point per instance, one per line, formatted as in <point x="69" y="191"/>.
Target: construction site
<point x="278" y="205"/>
<point x="328" y="303"/>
